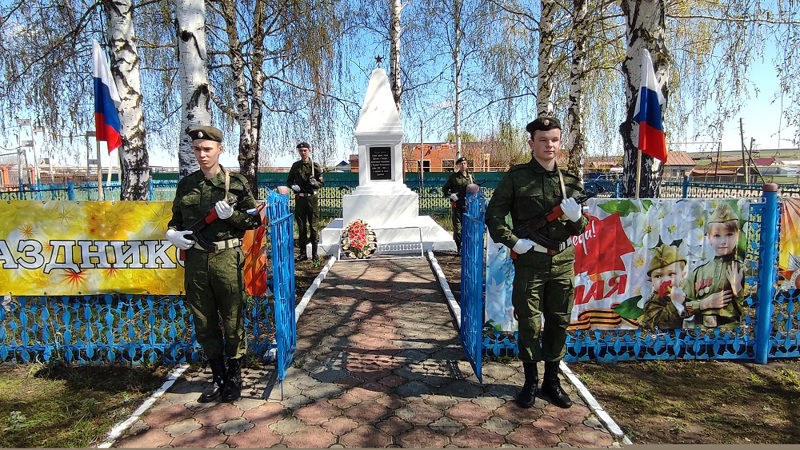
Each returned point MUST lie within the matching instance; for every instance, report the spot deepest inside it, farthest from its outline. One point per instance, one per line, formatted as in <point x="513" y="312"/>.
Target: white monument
<point x="381" y="199"/>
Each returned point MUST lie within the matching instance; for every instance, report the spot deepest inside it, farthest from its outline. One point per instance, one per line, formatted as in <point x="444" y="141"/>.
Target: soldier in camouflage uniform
<point x="305" y="179"/>
<point x="456" y="189"/>
<point x="544" y="272"/>
<point x="214" y="281"/>
<point x="665" y="308"/>
<point x="716" y="290"/>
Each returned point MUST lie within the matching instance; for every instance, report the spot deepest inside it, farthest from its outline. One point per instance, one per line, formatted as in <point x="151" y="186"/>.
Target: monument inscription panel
<point x="380" y="163"/>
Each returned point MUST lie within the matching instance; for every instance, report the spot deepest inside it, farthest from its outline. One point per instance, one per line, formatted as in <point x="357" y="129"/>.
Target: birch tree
<point x="547" y="38"/>
<point x="125" y="64"/>
<point x="194" y="86"/>
<point x="395" y="34"/>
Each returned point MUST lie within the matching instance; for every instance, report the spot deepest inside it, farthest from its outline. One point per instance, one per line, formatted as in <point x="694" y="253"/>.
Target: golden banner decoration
<point x="85" y="248"/>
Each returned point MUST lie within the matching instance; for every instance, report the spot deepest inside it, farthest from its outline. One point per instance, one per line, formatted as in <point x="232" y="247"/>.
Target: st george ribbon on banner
<point x="106" y="98"/>
<point x="648" y="112"/>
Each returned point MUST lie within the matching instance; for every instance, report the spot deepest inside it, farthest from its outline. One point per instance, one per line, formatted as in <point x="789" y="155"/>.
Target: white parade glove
<point x="296" y="188"/>
<point x="313" y="181"/>
<point x="522" y="246"/>
<point x="178" y="238"/>
<point x="571" y="209"/>
<point x="454" y="197"/>
<point x="224" y="210"/>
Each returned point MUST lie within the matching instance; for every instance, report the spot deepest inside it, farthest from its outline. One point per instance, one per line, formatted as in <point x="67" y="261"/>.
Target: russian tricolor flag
<point x="648" y="112"/>
<point x="106" y="99"/>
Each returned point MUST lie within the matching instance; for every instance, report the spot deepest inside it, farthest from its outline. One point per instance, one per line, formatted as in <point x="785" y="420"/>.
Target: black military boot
<point x="314" y="255"/>
<point x="527" y="395"/>
<point x="213" y="391"/>
<point x="302" y="256"/>
<point x="233" y="381"/>
<point x="551" y="387"/>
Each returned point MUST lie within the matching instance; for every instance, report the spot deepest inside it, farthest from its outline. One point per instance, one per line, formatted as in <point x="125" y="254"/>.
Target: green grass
<point x="69" y="406"/>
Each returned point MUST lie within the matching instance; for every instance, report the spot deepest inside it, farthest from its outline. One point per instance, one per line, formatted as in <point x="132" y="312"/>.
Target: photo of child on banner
<point x="661" y="264"/>
<point x="789" y="258"/>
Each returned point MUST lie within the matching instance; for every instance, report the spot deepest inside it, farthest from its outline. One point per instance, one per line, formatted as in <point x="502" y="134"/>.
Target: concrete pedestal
<point x="397" y="238"/>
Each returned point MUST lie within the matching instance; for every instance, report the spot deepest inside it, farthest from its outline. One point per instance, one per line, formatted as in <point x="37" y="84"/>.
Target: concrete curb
<point x="451" y="301"/>
<point x="121" y="427"/>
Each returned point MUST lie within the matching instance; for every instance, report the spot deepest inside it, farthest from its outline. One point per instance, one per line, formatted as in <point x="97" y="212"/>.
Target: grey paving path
<point x="378" y="364"/>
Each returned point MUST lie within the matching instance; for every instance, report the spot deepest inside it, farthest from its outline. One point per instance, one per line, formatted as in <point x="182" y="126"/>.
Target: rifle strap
<point x="561" y="180"/>
<point x="227" y="181"/>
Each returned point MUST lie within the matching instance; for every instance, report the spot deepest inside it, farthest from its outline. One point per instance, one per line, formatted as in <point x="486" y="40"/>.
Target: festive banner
<point x="499" y="279"/>
<point x="655" y="264"/>
<point x="80" y="248"/>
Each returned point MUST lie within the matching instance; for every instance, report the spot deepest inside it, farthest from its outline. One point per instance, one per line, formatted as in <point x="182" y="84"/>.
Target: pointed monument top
<point x="379" y="113"/>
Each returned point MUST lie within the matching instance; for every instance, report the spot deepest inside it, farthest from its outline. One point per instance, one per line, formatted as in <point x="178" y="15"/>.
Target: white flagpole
<point x="638" y="173"/>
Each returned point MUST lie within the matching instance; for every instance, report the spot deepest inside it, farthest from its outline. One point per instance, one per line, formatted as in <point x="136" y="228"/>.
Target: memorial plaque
<point x="380" y="163"/>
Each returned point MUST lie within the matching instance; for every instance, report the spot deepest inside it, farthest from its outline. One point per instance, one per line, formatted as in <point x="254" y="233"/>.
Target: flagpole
<point x="638" y="174"/>
<point x="99" y="173"/>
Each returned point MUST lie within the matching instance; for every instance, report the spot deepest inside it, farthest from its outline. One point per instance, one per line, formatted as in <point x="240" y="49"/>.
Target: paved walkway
<point x="378" y="364"/>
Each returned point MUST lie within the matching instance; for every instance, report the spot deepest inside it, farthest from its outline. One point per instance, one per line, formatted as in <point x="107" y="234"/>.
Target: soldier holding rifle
<point x="305" y="179"/>
<point x="540" y="192"/>
<point x="209" y="219"/>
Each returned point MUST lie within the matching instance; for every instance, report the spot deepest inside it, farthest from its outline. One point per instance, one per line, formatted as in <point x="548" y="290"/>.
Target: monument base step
<point x="415" y="235"/>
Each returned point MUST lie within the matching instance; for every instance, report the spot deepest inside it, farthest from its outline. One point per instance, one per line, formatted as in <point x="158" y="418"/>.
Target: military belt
<point x="542" y="249"/>
<point x="222" y="245"/>
<point x="306" y="194"/>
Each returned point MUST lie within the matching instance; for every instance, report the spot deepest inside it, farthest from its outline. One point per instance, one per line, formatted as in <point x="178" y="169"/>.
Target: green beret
<point x="303" y="145"/>
<point x="206" y="132"/>
<point x="664" y="255"/>
<point x="723" y="213"/>
<point x="543" y="123"/>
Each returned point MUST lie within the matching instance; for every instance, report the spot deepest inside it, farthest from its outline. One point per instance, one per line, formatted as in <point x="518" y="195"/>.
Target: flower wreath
<point x="358" y="240"/>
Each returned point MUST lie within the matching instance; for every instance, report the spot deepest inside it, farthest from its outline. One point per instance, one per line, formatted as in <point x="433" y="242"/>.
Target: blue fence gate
<point x="472" y="281"/>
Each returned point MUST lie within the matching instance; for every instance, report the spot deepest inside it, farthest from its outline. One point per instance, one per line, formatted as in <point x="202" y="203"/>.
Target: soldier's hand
<point x="677" y="295"/>
<point x="224" y="210"/>
<point x="454" y="197"/>
<point x="571" y="209"/>
<point x="296" y="188"/>
<point x="522" y="246"/>
<point x="313" y="181"/>
<point x="178" y="238"/>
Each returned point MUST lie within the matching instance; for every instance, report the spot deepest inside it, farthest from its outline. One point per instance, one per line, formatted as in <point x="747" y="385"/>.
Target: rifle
<point x="201" y="223"/>
<point x="530" y="229"/>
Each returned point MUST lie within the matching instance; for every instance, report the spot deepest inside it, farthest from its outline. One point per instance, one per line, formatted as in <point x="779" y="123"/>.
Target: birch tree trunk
<point x="248" y="115"/>
<point x="125" y="64"/>
<point x="577" y="76"/>
<point x="544" y="91"/>
<point x="457" y="33"/>
<point x="395" y="32"/>
<point x="645" y="29"/>
<point x="195" y="99"/>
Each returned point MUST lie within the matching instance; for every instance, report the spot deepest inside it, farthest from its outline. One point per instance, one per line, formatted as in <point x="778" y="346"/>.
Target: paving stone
<point x="287" y="426"/>
<point x="514" y="414"/>
<point x="462" y="389"/>
<point x="469" y="413"/>
<point x="235" y="426"/>
<point x="490" y="403"/>
<point x="180" y="428"/>
<point x="310" y="437"/>
<point x="499" y="426"/>
<point x="368" y="412"/>
<point x="248" y="403"/>
<point x="165" y="416"/>
<point x="218" y="414"/>
<point x="202" y="437"/>
<point x="593" y="423"/>
<point x="366" y="436"/>
<point x="498" y="371"/>
<point x="330" y="375"/>
<point x="407" y="373"/>
<point x="478" y="437"/>
<point x="323" y="391"/>
<point x="340" y="425"/>
<point x="296" y="401"/>
<point x="531" y="436"/>
<point x="446" y="426"/>
<point x="317" y="413"/>
<point x="575" y="414"/>
<point x="419" y="413"/>
<point x="149" y="439"/>
<point x="582" y="436"/>
<point x="550" y="424"/>
<point x="413" y="389"/>
<point x="260" y="436"/>
<point x="345" y="400"/>
<point x="391" y="401"/>
<point x="137" y="427"/>
<point x="195" y="406"/>
<point x="394" y="426"/>
<point x="392" y="380"/>
<point x="266" y="414"/>
<point x="440" y="401"/>
<point x="422" y="438"/>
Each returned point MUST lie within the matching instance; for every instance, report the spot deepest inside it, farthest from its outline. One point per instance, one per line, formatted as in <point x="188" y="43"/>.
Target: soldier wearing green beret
<point x="716" y="289"/>
<point x="455" y="188"/>
<point x="664" y="309"/>
<point x="213" y="280"/>
<point x="543" y="271"/>
<point x="305" y="179"/>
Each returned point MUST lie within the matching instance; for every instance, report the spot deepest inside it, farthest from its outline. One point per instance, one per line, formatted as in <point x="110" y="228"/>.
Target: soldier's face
<point x="206" y="152"/>
<point x="545" y="144"/>
<point x="462" y="166"/>
<point x="304" y="152"/>
<point x="722" y="238"/>
<point x="672" y="272"/>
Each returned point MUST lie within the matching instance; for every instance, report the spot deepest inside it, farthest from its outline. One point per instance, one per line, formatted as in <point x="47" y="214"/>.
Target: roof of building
<point x="679" y="159"/>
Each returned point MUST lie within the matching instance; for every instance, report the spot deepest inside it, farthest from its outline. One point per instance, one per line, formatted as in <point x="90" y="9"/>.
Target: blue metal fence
<point x="472" y="281"/>
<point x="147" y="328"/>
<point x="769" y="326"/>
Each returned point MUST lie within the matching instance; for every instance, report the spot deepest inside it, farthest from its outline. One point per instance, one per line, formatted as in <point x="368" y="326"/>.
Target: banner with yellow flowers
<point x="84" y="248"/>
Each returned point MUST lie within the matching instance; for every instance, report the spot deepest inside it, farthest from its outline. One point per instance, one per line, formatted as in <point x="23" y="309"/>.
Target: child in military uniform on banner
<point x="716" y="289"/>
<point x="664" y="308"/>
